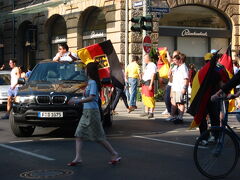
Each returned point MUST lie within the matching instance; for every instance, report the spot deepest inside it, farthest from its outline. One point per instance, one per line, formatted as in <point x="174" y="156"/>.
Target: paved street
<point x="150" y="149"/>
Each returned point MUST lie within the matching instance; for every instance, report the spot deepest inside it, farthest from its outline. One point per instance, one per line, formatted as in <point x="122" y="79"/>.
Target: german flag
<point x="226" y="61"/>
<point x="105" y="55"/>
<point x="201" y="91"/>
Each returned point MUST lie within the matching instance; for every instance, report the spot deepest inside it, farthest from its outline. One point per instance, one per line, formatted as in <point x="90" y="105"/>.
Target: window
<point x="58" y="34"/>
<point x="166" y="41"/>
<point x="95" y="28"/>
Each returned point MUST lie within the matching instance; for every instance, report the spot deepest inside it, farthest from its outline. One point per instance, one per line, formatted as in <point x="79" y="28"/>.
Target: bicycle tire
<point x="213" y="160"/>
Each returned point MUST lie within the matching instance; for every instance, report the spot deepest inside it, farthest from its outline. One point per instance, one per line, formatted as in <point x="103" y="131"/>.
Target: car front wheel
<point x="20" y="131"/>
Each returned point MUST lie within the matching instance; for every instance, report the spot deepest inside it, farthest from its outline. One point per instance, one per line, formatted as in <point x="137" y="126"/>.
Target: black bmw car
<point x="43" y="98"/>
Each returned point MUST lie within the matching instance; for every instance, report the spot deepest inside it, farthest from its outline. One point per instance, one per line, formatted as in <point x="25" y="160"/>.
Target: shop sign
<point x="187" y="32"/>
<point x="59" y="39"/>
<point x="94" y="34"/>
<point x="194" y="32"/>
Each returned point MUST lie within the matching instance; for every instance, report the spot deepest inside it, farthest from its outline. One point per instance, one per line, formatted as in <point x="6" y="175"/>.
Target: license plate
<point x="50" y="114"/>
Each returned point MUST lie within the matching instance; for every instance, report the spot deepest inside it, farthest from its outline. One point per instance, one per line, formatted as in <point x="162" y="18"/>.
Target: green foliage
<point x="139" y="94"/>
<point x="159" y="96"/>
<point x="153" y="54"/>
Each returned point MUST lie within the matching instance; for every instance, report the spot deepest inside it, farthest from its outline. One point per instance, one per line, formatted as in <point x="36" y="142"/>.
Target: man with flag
<point x="207" y="82"/>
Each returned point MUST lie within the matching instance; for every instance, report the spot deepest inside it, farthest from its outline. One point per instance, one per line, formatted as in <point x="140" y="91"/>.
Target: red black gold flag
<point x="201" y="91"/>
<point x="226" y="61"/>
<point x="109" y="65"/>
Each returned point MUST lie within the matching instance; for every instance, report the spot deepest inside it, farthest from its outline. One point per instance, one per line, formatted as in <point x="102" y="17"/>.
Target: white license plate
<point x="50" y="114"/>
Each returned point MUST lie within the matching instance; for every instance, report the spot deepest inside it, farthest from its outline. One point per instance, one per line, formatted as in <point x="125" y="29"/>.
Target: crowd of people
<point x="171" y="70"/>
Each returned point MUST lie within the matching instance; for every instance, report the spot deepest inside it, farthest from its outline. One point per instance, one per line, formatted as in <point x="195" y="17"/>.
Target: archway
<point x="26" y="44"/>
<point x="57" y="33"/>
<point x="91" y="27"/>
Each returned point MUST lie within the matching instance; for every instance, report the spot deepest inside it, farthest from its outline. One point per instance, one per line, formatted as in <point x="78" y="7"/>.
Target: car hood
<point x="30" y="88"/>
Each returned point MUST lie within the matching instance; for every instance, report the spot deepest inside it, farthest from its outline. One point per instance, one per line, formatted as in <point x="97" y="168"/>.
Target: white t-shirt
<point x="180" y="73"/>
<point x="14" y="77"/>
<point x="149" y="70"/>
<point x="65" y="56"/>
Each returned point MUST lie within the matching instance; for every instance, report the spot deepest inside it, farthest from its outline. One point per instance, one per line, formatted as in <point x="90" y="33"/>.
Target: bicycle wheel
<point x="216" y="159"/>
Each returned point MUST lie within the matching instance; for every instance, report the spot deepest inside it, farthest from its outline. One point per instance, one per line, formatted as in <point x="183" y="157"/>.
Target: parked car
<point x="5" y="80"/>
<point x="43" y="98"/>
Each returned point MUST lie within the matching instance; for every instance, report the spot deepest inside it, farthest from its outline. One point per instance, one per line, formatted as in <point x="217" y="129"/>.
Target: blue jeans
<point x="127" y="91"/>
<point x="119" y="93"/>
<point x="133" y="92"/>
<point x="167" y="98"/>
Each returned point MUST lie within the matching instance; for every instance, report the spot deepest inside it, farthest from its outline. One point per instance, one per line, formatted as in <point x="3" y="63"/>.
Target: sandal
<point x="115" y="160"/>
<point x="74" y="163"/>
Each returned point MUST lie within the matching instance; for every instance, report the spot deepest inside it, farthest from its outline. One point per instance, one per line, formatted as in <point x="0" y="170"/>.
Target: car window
<point x="5" y="79"/>
<point x="58" y="72"/>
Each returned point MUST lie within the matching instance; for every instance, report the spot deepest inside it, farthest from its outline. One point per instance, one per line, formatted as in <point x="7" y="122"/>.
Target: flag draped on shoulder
<point x="203" y="83"/>
<point x="226" y="61"/>
<point x="105" y="55"/>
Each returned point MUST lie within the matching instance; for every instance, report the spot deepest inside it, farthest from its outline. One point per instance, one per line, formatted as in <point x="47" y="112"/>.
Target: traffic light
<point x="146" y="23"/>
<point x="138" y="24"/>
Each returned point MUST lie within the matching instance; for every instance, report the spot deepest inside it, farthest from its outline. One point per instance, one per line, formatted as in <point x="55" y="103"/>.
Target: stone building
<point x="31" y="29"/>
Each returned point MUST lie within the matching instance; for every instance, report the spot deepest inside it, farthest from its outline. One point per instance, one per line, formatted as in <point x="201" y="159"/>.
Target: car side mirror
<point x="21" y="81"/>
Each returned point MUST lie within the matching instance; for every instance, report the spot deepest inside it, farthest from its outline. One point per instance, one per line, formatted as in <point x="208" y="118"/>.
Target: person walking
<point x="147" y="87"/>
<point x="90" y="127"/>
<point x="13" y="89"/>
<point x="133" y="75"/>
<point x="64" y="54"/>
<point x="119" y="92"/>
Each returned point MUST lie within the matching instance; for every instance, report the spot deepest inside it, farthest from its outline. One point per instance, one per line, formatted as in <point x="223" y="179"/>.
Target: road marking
<point x="172" y="132"/>
<point x="51" y="139"/>
<point x="21" y="141"/>
<point x="164" y="141"/>
<point x="27" y="152"/>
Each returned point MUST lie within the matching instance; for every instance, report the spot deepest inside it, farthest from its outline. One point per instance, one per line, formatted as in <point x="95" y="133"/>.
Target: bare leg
<point x="151" y="110"/>
<point x="181" y="108"/>
<point x="109" y="148"/>
<point x="78" y="157"/>
<point x="146" y="109"/>
<point x="9" y="104"/>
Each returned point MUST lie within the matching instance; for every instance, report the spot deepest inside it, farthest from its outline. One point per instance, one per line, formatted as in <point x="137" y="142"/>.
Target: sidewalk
<point x="160" y="107"/>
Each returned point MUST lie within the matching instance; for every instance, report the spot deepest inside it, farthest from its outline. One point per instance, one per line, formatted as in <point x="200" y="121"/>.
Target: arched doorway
<point x="26" y="44"/>
<point x="57" y="33"/>
<point x="194" y="30"/>
<point x="93" y="26"/>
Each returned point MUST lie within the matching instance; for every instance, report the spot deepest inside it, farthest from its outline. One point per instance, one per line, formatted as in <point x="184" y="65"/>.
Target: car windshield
<point x="5" y="79"/>
<point x="63" y="71"/>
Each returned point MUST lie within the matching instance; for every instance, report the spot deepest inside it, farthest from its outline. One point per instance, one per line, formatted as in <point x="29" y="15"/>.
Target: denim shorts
<point x="12" y="92"/>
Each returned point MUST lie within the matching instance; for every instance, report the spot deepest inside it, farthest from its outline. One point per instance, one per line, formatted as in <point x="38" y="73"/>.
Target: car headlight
<point x="24" y="99"/>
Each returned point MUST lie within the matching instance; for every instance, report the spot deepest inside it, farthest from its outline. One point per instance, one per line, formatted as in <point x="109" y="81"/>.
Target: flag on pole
<point x="226" y="61"/>
<point x="105" y="55"/>
<point x="203" y="83"/>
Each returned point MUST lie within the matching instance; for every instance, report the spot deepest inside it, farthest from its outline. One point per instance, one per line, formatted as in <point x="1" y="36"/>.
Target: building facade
<point x="31" y="29"/>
